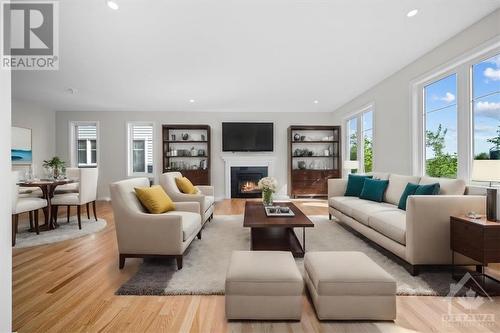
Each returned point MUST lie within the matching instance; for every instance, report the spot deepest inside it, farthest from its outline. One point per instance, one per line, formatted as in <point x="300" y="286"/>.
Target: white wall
<point x="42" y="123"/>
<point x="113" y="136"/>
<point x="5" y="205"/>
<point x="392" y="126"/>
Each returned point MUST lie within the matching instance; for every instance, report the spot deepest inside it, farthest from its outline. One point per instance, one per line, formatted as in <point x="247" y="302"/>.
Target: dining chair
<point x="28" y="204"/>
<point x="87" y="193"/>
<point x="74" y="175"/>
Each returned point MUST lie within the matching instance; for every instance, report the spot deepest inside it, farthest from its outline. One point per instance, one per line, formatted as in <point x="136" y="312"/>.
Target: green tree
<point x="442" y="164"/>
<point x="495" y="140"/>
<point x="368" y="152"/>
<point x="482" y="156"/>
<point x="353" y="152"/>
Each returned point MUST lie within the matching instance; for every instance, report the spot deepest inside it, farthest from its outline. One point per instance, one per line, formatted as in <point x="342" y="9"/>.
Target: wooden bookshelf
<point x="178" y="153"/>
<point x="310" y="166"/>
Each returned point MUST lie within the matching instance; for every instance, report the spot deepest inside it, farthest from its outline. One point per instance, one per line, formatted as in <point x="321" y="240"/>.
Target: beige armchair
<point x="205" y="197"/>
<point x="141" y="234"/>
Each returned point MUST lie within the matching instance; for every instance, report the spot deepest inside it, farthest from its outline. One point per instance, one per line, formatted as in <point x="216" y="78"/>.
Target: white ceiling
<point x="236" y="55"/>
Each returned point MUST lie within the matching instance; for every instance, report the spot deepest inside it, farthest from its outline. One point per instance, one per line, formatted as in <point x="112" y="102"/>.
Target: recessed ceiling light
<point x="112" y="4"/>
<point x="191" y="101"/>
<point x="315" y="101"/>
<point x="412" y="13"/>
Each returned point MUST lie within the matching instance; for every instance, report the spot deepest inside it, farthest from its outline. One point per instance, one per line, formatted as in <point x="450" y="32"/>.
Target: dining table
<point x="48" y="187"/>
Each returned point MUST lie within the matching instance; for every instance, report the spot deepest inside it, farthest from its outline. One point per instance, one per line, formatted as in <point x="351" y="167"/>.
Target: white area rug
<point x="65" y="231"/>
<point x="206" y="261"/>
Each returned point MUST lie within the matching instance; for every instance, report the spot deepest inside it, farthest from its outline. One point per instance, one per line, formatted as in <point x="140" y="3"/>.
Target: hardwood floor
<point x="69" y="287"/>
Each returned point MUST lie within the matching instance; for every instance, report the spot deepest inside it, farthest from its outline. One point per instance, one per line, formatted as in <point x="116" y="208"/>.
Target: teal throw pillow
<point x="414" y="189"/>
<point x="374" y="189"/>
<point x="355" y="185"/>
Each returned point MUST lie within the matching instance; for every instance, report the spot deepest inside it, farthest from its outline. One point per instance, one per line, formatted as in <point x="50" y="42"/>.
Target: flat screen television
<point x="247" y="136"/>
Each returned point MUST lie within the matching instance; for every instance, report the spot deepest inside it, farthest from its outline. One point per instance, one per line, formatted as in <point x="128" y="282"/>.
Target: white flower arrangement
<point x="268" y="184"/>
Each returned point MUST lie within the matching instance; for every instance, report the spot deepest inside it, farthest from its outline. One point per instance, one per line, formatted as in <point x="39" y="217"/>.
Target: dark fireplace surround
<point x="244" y="181"/>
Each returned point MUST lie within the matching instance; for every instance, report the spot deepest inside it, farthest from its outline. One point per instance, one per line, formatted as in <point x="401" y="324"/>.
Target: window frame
<point x="129" y="152"/>
<point x="462" y="67"/>
<point x="358" y="114"/>
<point x="73" y="143"/>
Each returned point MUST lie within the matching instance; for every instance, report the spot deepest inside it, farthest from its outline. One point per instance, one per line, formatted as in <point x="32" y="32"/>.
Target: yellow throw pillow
<point x="154" y="199"/>
<point x="185" y="185"/>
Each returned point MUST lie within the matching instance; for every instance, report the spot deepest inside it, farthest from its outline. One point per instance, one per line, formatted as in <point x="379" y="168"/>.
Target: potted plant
<point x="56" y="164"/>
<point x="268" y="185"/>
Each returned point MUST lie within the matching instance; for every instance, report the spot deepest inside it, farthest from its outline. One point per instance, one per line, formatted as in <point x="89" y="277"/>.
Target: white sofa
<point x="421" y="234"/>
<point x="141" y="235"/>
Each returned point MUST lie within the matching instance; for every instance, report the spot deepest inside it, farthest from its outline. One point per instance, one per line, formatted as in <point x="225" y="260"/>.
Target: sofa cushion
<point x="339" y="203"/>
<point x="154" y="199"/>
<point x="374" y="189"/>
<point x="361" y="210"/>
<point x="447" y="186"/>
<point x="355" y="185"/>
<point x="185" y="186"/>
<point x="379" y="175"/>
<point x="191" y="223"/>
<point x="409" y="190"/>
<point x="431" y="189"/>
<point x="397" y="185"/>
<point x="390" y="223"/>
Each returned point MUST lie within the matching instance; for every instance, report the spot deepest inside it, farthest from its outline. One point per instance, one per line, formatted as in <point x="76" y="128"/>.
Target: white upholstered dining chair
<point x="74" y="175"/>
<point x="140" y="234"/>
<point x="26" y="204"/>
<point x="205" y="196"/>
<point x="87" y="193"/>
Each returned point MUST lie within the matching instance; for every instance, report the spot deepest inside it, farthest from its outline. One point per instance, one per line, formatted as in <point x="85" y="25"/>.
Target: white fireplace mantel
<point x="245" y="161"/>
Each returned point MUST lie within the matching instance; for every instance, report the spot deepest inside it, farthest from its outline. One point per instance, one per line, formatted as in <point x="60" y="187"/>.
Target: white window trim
<point x="461" y="66"/>
<point x="128" y="127"/>
<point x="72" y="140"/>
<point x="345" y="146"/>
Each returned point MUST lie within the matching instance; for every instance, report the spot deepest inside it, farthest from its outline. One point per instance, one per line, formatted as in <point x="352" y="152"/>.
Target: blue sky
<point x="441" y="107"/>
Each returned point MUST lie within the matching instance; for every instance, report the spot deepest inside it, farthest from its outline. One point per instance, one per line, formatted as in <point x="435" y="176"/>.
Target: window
<point x="140" y="154"/>
<point x="456" y="115"/>
<point x="440" y="119"/>
<point x="360" y="139"/>
<point x="486" y="109"/>
<point x="85" y="143"/>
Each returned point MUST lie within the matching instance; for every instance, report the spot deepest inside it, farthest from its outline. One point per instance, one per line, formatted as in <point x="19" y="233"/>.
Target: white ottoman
<point x="263" y="285"/>
<point x="349" y="286"/>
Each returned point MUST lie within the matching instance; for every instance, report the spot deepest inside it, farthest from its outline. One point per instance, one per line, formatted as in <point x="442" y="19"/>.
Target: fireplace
<point x="244" y="181"/>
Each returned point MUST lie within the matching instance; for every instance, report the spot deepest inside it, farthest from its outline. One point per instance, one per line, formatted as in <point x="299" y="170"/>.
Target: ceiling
<point x="236" y="55"/>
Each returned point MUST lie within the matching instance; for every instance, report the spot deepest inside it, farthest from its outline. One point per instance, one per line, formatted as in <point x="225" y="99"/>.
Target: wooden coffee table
<point x="276" y="233"/>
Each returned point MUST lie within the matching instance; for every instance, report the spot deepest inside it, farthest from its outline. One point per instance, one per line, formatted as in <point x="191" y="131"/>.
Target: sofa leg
<point x="199" y="235"/>
<point x="121" y="263"/>
<point x="179" y="262"/>
<point x="330" y="217"/>
<point x="414" y="270"/>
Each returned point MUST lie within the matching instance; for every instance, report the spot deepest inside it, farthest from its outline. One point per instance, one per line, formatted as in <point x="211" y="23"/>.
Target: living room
<point x="256" y="166"/>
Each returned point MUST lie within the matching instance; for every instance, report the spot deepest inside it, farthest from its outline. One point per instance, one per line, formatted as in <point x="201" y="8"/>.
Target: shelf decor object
<point x="186" y="148"/>
<point x="314" y="157"/>
<point x="488" y="171"/>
